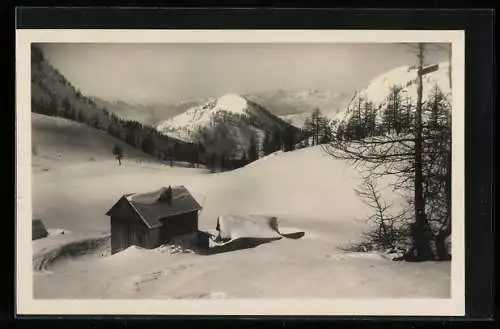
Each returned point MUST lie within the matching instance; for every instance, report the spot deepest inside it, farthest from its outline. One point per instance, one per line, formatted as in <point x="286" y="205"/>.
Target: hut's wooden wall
<point x="131" y="231"/>
<point x="152" y="238"/>
<point x="126" y="232"/>
<point x="178" y="225"/>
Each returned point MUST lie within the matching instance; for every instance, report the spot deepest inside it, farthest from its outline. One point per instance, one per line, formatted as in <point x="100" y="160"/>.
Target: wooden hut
<point x="151" y="219"/>
<point x="38" y="230"/>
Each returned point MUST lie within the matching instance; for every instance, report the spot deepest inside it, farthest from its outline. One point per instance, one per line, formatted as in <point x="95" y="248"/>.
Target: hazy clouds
<point x="149" y="73"/>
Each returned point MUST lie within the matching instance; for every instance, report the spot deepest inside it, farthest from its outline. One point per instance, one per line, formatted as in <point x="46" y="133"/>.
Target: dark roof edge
<point x="124" y="197"/>
<point x="138" y="213"/>
<point x="131" y="204"/>
<point x="178" y="213"/>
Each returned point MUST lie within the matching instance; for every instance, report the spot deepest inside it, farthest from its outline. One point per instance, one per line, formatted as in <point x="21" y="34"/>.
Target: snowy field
<point x="305" y="189"/>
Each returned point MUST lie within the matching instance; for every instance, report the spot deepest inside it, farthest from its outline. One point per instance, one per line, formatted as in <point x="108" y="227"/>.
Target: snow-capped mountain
<point x="226" y="124"/>
<point x="404" y="77"/>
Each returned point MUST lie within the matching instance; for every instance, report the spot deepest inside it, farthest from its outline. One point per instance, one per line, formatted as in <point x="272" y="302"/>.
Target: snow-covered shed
<point x="38" y="229"/>
<point x="154" y="218"/>
<point x="231" y="227"/>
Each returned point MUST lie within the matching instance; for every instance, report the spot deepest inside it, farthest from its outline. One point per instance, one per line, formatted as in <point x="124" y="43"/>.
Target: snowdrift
<point x="232" y="227"/>
<point x="147" y="198"/>
<point x="305" y="185"/>
<point x="153" y="197"/>
<point x="236" y="232"/>
<point x="99" y="245"/>
<point x="128" y="254"/>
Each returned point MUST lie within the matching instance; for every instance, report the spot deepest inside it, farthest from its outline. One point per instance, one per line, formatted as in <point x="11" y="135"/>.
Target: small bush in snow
<point x="387" y="231"/>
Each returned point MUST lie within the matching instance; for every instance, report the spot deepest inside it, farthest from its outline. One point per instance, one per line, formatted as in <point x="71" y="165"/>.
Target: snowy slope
<point x="61" y="141"/>
<point x="405" y="77"/>
<point x="304" y="189"/>
<point x="54" y="95"/>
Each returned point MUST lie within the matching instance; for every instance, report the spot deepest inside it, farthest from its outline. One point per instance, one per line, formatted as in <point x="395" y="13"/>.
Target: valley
<point x="238" y="154"/>
<point x="319" y="201"/>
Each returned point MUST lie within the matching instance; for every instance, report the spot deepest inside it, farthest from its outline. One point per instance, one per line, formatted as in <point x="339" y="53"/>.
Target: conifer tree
<point x="252" y="151"/>
<point x="267" y="145"/>
<point x="118" y="153"/>
<point x="419" y="156"/>
<point x="148" y="145"/>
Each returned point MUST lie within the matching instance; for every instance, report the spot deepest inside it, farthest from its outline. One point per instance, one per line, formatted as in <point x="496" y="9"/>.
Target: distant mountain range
<point x="293" y="106"/>
<point x="227" y="124"/>
<point x="148" y="114"/>
<point x="284" y="102"/>
<point x="296" y="106"/>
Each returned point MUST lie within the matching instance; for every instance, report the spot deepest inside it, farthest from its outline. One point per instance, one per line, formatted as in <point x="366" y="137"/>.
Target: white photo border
<point x="27" y="305"/>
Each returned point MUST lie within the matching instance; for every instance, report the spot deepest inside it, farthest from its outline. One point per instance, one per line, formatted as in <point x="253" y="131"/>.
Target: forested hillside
<point x="52" y="94"/>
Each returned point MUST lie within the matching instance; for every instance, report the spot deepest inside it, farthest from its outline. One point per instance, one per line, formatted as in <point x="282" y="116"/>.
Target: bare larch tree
<point x="401" y="153"/>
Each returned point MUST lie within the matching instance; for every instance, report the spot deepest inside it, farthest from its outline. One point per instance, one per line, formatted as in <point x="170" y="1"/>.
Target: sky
<point x="166" y="73"/>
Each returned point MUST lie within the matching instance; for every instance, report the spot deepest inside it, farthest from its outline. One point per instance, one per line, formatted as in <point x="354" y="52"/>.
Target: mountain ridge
<point x="294" y="105"/>
<point x="403" y="77"/>
<point x="53" y="95"/>
<point x="148" y="114"/>
<point x="231" y="119"/>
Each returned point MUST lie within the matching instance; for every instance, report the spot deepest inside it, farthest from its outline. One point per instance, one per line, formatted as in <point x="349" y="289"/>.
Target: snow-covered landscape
<point x="312" y="197"/>
<point x="74" y="196"/>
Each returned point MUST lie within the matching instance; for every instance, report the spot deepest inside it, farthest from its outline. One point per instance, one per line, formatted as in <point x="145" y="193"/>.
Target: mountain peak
<point x="405" y="77"/>
<point x="232" y="103"/>
<point x="227" y="124"/>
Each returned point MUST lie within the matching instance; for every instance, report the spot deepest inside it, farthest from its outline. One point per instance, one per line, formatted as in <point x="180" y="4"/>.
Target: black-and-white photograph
<point x="241" y="170"/>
